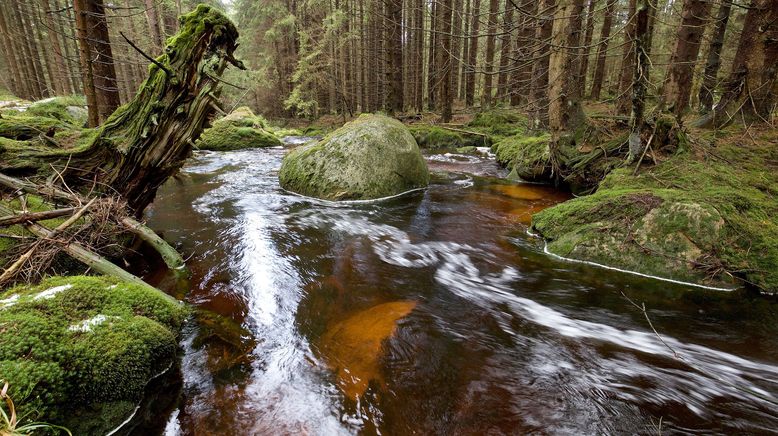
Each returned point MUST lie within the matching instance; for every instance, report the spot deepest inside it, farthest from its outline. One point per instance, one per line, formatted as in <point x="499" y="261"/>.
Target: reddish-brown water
<point x="437" y="313"/>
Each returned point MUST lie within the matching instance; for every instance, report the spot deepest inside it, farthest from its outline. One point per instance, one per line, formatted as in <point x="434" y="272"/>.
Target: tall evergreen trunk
<point x="539" y="87"/>
<point x="624" y="98"/>
<point x="37" y="80"/>
<point x="103" y="69"/>
<point x="456" y="47"/>
<point x="44" y="56"/>
<point x="9" y="52"/>
<point x="395" y="58"/>
<point x="85" y="56"/>
<point x="61" y="84"/>
<point x="505" y="52"/>
<point x="639" y="80"/>
<point x="472" y="54"/>
<point x="602" y="50"/>
<point x="749" y="94"/>
<point x="152" y="18"/>
<point x="465" y="52"/>
<point x="678" y="83"/>
<point x="419" y="58"/>
<point x="432" y="73"/>
<point x="525" y="40"/>
<point x="564" y="110"/>
<point x="70" y="45"/>
<point x="486" y="96"/>
<point x="586" y="48"/>
<point x="445" y="97"/>
<point x="713" y="63"/>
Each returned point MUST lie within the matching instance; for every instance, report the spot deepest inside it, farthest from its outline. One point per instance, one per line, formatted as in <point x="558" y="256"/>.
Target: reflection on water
<point x="436" y="313"/>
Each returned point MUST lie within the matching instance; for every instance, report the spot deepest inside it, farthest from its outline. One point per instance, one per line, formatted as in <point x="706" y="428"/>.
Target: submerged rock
<point x="79" y="351"/>
<point x="239" y="130"/>
<point x="371" y="157"/>
<point x="353" y="346"/>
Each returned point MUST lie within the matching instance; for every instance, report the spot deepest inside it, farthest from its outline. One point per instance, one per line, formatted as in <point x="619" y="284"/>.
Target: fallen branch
<point x="148" y="58"/>
<point x="468" y="132"/>
<point x="35" y="216"/>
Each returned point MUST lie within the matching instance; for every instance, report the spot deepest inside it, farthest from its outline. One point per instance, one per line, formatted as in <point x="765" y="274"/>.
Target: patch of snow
<point x="8" y="302"/>
<point x="87" y="324"/>
<point x="51" y="292"/>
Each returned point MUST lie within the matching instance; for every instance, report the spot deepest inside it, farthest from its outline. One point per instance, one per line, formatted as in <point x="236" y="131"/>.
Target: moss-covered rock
<point x="26" y="126"/>
<point x="239" y="130"/>
<point x="527" y="157"/>
<point x="79" y="351"/>
<point x="689" y="218"/>
<point x="371" y="157"/>
<point x="434" y="137"/>
<point x="69" y="109"/>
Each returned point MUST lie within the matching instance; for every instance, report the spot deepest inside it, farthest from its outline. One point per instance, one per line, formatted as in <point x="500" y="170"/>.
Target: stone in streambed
<point x="371" y="157"/>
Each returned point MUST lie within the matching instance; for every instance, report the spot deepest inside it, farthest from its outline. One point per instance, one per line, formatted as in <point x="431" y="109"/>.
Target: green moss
<point x="371" y="157"/>
<point x="23" y="126"/>
<point x="526" y="156"/>
<point x="238" y="130"/>
<point x="434" y="137"/>
<point x="75" y="343"/>
<point x="68" y="109"/>
<point x="686" y="218"/>
<point x="499" y="123"/>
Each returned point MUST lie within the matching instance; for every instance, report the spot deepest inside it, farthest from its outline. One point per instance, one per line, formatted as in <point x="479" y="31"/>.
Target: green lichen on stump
<point x="689" y="218"/>
<point x="371" y="157"/>
<point x="79" y="351"/>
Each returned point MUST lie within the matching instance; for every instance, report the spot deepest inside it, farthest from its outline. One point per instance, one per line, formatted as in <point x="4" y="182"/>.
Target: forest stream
<point x="438" y="312"/>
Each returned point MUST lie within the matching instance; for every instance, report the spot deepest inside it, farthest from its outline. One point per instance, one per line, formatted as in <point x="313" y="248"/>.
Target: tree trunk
<point x="750" y="91"/>
<point x="37" y="81"/>
<point x="103" y="69"/>
<point x="152" y="18"/>
<point x="46" y="56"/>
<point x="525" y="40"/>
<point x="539" y="87"/>
<point x="148" y="139"/>
<point x="624" y="98"/>
<point x="68" y="42"/>
<point x="84" y="56"/>
<point x="10" y="56"/>
<point x="395" y="58"/>
<point x="586" y="49"/>
<point x="710" y="76"/>
<point x="639" y="81"/>
<point x="444" y="59"/>
<point x="486" y="96"/>
<point x="432" y="73"/>
<point x="505" y="52"/>
<point x="472" y="53"/>
<point x="564" y="111"/>
<point x="60" y="81"/>
<point x="419" y="58"/>
<point x="456" y="47"/>
<point x="678" y="83"/>
<point x="465" y="53"/>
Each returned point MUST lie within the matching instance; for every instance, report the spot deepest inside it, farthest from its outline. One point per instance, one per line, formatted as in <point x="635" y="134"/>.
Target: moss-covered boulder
<point x="527" y="157"/>
<point x="701" y="218"/>
<point x="79" y="351"/>
<point x="70" y="109"/>
<point x="371" y="157"/>
<point x="434" y="137"/>
<point x="239" y="130"/>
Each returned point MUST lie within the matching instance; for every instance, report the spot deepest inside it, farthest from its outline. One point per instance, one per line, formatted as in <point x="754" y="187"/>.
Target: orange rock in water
<point x="353" y="346"/>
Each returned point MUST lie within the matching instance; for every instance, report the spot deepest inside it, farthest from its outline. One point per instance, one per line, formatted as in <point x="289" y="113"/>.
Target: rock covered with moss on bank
<point x="371" y="157"/>
<point x="239" y="130"/>
<point x="79" y="351"/>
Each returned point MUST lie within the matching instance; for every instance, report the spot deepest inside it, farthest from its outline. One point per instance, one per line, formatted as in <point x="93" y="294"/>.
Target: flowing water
<point x="436" y="312"/>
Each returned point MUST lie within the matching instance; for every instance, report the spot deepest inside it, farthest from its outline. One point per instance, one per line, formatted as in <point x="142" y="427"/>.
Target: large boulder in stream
<point x="371" y="157"/>
<point x="79" y="351"/>
<point x="239" y="130"/>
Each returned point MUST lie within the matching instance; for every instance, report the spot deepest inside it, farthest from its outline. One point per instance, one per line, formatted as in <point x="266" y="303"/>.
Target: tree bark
<point x="486" y="95"/>
<point x="103" y="69"/>
<point x="419" y="58"/>
<point x="456" y="47"/>
<point x="472" y="55"/>
<point x="710" y="76"/>
<point x="505" y="52"/>
<point x="10" y="55"/>
<point x="432" y="73"/>
<point x="585" y="49"/>
<point x="46" y="56"/>
<point x="152" y="18"/>
<point x="395" y="58"/>
<point x="539" y="99"/>
<point x="564" y="111"/>
<point x="35" y="77"/>
<point x="624" y="98"/>
<point x="522" y="74"/>
<point x="751" y="89"/>
<point x="444" y="59"/>
<point x="678" y="83"/>
<point x="84" y="56"/>
<point x="639" y="81"/>
<point x="61" y="82"/>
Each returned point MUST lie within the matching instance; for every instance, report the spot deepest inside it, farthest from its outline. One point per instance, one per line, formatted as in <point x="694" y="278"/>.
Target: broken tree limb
<point x="35" y="216"/>
<point x="468" y="132"/>
<point x="169" y="255"/>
